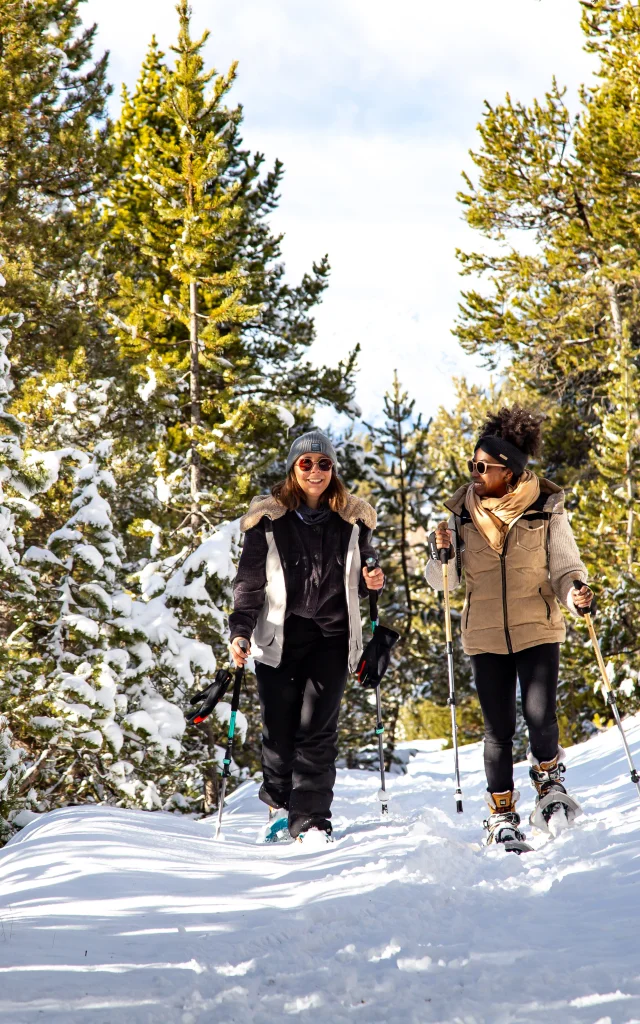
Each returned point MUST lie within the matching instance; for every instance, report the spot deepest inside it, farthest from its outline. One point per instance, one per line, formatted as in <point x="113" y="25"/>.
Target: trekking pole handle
<point x="436" y="553"/>
<point x="371" y="564"/>
<point x="244" y="647"/>
<point x="579" y="585"/>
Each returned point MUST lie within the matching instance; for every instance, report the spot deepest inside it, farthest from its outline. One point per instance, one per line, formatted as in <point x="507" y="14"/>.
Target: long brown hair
<point x="290" y="494"/>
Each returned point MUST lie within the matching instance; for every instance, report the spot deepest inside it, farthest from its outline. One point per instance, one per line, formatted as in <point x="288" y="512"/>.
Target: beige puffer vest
<point x="509" y="603"/>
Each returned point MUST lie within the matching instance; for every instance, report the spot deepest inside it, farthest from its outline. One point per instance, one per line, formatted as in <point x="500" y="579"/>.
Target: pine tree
<point x="53" y="164"/>
<point x="567" y="312"/>
<point x="189" y="228"/>
<point x="191" y="248"/>
<point x="402" y="484"/>
<point x="212" y="341"/>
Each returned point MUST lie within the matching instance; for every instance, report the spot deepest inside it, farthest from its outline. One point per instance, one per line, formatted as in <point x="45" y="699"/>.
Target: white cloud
<point x="372" y="107"/>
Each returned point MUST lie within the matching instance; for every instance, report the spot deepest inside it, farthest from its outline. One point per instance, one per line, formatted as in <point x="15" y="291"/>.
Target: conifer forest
<point x="155" y="368"/>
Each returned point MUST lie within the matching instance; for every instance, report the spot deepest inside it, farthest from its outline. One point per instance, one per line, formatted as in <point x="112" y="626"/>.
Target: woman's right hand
<point x="444" y="536"/>
<point x="238" y="653"/>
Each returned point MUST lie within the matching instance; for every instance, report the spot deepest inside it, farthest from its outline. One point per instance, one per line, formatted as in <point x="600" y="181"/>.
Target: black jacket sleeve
<point x="367" y="550"/>
<point x="249" y="584"/>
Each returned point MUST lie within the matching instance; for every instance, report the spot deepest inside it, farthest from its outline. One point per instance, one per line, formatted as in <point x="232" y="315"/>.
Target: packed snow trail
<point x="109" y="915"/>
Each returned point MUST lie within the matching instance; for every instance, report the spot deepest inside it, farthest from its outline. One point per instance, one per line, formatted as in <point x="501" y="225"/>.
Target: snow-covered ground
<point x="110" y="915"/>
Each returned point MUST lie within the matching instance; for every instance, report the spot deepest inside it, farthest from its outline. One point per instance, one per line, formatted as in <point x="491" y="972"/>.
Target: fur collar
<point x="357" y="509"/>
<point x="552" y="494"/>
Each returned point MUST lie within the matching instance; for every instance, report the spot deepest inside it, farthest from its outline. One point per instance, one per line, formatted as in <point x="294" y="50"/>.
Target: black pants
<point x="300" y="704"/>
<point x="495" y="678"/>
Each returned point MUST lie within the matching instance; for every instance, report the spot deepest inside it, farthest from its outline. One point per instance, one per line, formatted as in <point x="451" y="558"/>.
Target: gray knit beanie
<point x="311" y="443"/>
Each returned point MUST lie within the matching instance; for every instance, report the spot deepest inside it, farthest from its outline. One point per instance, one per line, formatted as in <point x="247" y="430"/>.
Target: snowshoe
<point x="502" y="823"/>
<point x="277" y="828"/>
<point x="278" y="831"/>
<point x="555" y="810"/>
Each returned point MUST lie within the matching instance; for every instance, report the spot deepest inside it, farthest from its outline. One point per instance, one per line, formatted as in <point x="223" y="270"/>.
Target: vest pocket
<point x="530" y="537"/>
<point x="546" y="603"/>
<point x="466" y="621"/>
<point x="474" y="540"/>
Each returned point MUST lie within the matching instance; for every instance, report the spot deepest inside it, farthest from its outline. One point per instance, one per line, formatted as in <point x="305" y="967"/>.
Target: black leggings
<point x="495" y="678"/>
<point x="300" y="704"/>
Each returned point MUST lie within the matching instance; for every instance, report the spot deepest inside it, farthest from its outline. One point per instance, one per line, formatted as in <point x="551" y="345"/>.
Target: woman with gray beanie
<point x="296" y="599"/>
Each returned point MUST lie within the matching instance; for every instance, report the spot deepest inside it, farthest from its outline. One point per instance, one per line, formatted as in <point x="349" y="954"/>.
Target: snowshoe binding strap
<point x="547" y="778"/>
<point x="503" y="828"/>
<point x="552" y="799"/>
<point x="502" y="823"/>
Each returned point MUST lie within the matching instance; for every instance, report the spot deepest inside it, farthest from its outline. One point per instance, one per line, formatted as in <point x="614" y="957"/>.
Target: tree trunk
<point x="390" y="731"/>
<point x="404" y="561"/>
<point x="619" y="334"/>
<point x="194" y="389"/>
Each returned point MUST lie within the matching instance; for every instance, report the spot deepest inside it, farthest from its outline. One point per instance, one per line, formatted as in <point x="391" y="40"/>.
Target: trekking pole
<point x="372" y="563"/>
<point x="226" y="764"/>
<point x="609" y="692"/>
<point x="443" y="554"/>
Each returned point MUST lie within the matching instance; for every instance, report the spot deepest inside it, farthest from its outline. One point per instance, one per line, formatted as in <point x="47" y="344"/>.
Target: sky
<point x="372" y="107"/>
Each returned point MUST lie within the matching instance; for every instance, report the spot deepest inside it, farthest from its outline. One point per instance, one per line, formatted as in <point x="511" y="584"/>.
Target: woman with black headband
<point x="296" y="597"/>
<point x="510" y="535"/>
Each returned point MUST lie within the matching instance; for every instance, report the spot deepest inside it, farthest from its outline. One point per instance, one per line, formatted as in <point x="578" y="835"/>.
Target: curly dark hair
<point x="519" y="426"/>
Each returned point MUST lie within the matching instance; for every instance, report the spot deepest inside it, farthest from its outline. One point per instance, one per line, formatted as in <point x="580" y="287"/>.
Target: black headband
<point x="505" y="452"/>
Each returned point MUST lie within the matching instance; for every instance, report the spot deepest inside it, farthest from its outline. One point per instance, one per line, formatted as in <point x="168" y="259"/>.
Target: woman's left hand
<point x="374" y="579"/>
<point x="582" y="598"/>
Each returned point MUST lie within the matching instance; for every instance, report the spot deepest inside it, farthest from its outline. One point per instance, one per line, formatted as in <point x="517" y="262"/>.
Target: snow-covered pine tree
<point x="194" y="586"/>
<point x="17" y="590"/>
<point x="24" y="472"/>
<point x="12" y="773"/>
<point x="103" y="706"/>
<point x="15" y="489"/>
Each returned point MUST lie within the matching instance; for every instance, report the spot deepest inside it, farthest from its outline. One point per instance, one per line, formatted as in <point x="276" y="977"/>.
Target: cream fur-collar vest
<point x="266" y="505"/>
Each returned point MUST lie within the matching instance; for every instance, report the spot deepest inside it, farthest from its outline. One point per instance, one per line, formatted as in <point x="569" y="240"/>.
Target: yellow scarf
<point x="494" y="517"/>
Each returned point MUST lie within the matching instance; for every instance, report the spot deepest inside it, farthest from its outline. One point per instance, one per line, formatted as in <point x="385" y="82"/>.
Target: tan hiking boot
<point x="547" y="775"/>
<point x="502" y="823"/>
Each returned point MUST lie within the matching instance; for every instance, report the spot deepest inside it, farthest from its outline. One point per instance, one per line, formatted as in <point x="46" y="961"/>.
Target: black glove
<point x="376" y="656"/>
<point x="434" y="550"/>
<point x="209" y="697"/>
